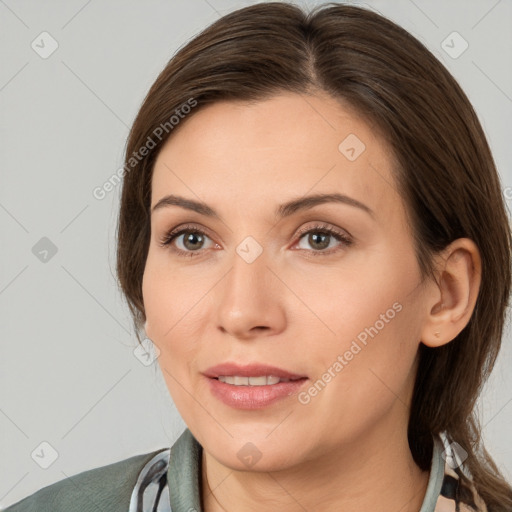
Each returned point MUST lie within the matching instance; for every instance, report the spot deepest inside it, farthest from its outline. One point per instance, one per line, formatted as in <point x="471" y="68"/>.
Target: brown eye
<point x="192" y="240"/>
<point x="320" y="237"/>
<point x="188" y="241"/>
<point x="319" y="240"/>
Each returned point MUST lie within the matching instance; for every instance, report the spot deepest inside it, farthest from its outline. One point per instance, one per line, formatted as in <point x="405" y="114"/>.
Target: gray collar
<point x="176" y="468"/>
<point x="184" y="474"/>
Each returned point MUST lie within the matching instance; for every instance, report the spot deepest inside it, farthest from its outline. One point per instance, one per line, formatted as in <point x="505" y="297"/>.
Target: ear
<point x="451" y="301"/>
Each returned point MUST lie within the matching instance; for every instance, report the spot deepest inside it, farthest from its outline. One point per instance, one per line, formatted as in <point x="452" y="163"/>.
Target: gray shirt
<point x="169" y="480"/>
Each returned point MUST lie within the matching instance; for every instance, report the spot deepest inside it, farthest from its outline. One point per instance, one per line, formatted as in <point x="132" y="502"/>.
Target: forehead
<point x="264" y="152"/>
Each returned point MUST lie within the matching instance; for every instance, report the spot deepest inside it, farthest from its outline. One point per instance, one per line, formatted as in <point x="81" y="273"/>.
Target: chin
<point x="251" y="450"/>
<point x="251" y="458"/>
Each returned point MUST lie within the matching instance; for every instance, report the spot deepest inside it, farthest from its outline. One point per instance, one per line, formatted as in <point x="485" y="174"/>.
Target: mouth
<point x="254" y="374"/>
<point x="261" y="380"/>
<point x="252" y="386"/>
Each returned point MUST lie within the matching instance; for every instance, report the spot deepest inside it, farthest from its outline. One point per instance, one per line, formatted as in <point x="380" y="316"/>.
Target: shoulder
<point x="105" y="488"/>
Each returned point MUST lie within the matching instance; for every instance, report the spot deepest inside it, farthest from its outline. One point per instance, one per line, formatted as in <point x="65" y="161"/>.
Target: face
<point x="326" y="291"/>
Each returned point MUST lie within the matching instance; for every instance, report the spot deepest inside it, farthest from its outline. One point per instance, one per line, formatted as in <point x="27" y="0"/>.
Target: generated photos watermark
<point x="343" y="359"/>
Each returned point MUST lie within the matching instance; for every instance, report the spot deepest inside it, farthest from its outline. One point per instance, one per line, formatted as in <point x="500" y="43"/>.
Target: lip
<point x="252" y="397"/>
<point x="250" y="370"/>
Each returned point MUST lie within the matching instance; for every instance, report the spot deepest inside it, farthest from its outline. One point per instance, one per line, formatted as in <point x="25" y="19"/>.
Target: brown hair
<point x="445" y="173"/>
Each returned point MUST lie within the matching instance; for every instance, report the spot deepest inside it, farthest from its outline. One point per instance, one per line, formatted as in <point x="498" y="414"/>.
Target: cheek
<point x="344" y="302"/>
<point x="162" y="291"/>
<point x="174" y="308"/>
<point x="374" y="362"/>
<point x="372" y="338"/>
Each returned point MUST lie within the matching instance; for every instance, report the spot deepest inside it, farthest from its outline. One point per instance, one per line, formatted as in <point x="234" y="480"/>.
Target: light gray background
<point x="68" y="373"/>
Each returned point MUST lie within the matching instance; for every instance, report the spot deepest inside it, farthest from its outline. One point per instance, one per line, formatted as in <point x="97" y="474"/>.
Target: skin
<point x="347" y="448"/>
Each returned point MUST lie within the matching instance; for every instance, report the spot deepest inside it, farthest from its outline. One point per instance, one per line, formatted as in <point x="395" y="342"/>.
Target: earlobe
<point x="454" y="295"/>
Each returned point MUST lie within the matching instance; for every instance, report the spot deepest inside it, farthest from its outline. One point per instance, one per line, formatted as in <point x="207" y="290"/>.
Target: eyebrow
<point x="283" y="210"/>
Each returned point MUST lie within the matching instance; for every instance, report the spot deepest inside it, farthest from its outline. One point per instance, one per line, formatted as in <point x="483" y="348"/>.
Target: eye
<point x="320" y="237"/>
<point x="192" y="242"/>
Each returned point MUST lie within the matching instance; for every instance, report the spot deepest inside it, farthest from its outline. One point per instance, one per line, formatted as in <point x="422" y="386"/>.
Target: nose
<point x="251" y="300"/>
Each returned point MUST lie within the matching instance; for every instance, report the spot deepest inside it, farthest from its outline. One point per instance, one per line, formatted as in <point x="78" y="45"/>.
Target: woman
<point x="312" y="233"/>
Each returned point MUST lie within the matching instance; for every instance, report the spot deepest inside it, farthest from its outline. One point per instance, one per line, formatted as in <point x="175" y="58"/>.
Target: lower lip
<point x="254" y="397"/>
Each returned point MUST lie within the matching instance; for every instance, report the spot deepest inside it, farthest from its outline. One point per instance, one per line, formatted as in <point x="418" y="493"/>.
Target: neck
<point x="367" y="474"/>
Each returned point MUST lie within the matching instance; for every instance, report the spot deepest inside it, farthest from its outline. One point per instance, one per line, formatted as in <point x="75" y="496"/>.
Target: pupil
<point x="190" y="239"/>
<point x="315" y="236"/>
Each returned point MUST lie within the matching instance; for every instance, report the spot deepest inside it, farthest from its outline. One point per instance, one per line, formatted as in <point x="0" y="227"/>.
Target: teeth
<point x="263" y="380"/>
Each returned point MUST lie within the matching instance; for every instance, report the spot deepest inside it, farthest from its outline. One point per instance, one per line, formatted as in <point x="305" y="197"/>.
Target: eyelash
<point x="169" y="237"/>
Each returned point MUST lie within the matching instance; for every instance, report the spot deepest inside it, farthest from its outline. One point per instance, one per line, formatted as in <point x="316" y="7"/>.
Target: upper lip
<point x="250" y="370"/>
